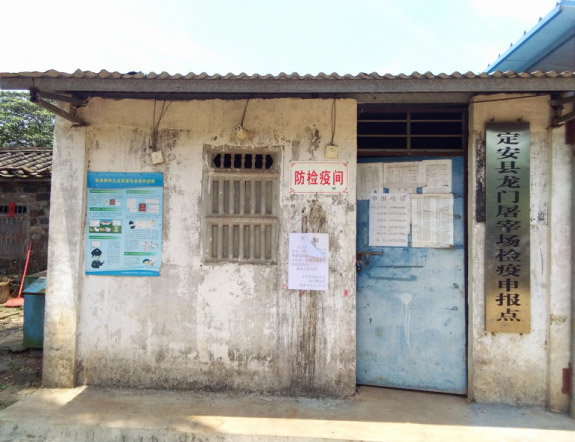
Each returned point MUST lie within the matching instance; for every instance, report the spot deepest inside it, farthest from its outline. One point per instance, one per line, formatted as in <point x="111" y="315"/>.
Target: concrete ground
<point x="373" y="414"/>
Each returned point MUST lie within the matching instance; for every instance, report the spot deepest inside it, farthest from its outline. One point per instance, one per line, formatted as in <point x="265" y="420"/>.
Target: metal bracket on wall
<point x="557" y="104"/>
<point x="35" y="97"/>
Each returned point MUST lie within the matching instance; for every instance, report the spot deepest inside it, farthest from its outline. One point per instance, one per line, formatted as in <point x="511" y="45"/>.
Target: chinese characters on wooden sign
<point x="318" y="177"/>
<point x="507" y="268"/>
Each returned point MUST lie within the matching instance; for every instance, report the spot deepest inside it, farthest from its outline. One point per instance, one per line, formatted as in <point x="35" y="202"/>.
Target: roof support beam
<point x="59" y="97"/>
<point x="54" y="109"/>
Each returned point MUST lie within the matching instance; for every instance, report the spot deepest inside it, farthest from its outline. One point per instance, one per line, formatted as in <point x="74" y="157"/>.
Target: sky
<point x="262" y="36"/>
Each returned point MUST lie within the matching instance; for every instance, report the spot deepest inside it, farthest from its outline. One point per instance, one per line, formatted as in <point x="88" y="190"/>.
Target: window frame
<point x="241" y="229"/>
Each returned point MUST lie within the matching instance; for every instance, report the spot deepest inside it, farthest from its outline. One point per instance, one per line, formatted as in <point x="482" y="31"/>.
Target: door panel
<point x="411" y="307"/>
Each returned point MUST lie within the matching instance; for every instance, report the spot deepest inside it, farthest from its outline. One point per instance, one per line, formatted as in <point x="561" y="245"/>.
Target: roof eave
<point x="129" y="87"/>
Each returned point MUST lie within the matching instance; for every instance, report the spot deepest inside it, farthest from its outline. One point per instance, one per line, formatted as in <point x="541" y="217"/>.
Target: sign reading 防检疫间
<point x="124" y="223"/>
<point x="507" y="266"/>
<point x="318" y="177"/>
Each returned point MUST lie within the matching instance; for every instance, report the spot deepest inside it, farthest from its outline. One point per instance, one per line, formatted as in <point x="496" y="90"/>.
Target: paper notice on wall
<point x="436" y="176"/>
<point x="308" y="262"/>
<point x="406" y="177"/>
<point x="432" y="220"/>
<point x="389" y="219"/>
<point x="369" y="180"/>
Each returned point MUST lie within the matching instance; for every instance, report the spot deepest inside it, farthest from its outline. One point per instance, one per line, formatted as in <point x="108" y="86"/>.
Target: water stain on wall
<point x="310" y="312"/>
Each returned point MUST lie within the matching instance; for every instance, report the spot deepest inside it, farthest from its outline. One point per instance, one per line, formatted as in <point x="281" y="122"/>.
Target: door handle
<point x="359" y="258"/>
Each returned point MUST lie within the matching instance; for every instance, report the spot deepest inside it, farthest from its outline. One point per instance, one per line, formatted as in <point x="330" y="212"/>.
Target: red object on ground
<point x="19" y="300"/>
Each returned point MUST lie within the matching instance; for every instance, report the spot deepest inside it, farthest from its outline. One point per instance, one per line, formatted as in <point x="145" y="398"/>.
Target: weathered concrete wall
<point x="65" y="250"/>
<point x="524" y="368"/>
<point x="199" y="325"/>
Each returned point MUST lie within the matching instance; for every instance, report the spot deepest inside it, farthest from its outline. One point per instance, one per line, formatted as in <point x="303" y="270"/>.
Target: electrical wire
<point x="508" y="99"/>
<point x="245" y="110"/>
<point x="156" y="125"/>
<point x="333" y="121"/>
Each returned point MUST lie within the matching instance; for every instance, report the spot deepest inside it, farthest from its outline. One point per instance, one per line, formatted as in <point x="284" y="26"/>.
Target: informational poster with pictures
<point x="124" y="223"/>
<point x="308" y="267"/>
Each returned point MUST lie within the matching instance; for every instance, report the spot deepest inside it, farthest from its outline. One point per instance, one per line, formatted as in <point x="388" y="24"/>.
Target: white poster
<point x="308" y="266"/>
<point x="402" y="177"/>
<point x="389" y="220"/>
<point x="432" y="220"/>
<point x="369" y="180"/>
<point x="436" y="176"/>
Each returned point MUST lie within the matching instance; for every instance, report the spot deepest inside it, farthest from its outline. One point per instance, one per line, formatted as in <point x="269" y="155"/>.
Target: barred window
<point x="241" y="205"/>
<point x="14" y="229"/>
<point x="434" y="129"/>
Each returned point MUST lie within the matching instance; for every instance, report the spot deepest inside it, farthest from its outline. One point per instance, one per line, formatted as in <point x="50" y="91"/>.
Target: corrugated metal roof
<point x="104" y="74"/>
<point x="25" y="163"/>
<point x="86" y="84"/>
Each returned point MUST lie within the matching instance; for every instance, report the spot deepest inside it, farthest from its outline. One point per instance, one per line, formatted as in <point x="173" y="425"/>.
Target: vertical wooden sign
<point x="507" y="268"/>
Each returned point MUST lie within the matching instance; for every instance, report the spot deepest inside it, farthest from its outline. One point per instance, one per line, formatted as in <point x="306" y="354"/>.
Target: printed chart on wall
<point x="124" y="223"/>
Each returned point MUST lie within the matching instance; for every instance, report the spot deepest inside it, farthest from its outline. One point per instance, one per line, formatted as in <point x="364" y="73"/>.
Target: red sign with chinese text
<point x="318" y="177"/>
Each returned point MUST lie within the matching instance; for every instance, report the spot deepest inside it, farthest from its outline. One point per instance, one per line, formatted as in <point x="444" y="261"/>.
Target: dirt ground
<point x="20" y="368"/>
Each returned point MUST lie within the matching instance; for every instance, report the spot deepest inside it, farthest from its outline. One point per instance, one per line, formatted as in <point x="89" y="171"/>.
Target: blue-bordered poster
<point x="124" y="223"/>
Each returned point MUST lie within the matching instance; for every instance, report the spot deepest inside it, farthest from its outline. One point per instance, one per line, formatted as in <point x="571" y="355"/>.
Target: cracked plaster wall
<point x="524" y="369"/>
<point x="214" y="326"/>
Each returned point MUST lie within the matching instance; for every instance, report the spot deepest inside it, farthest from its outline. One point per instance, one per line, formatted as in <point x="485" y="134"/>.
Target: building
<point x="548" y="46"/>
<point x="313" y="233"/>
<point x="25" y="175"/>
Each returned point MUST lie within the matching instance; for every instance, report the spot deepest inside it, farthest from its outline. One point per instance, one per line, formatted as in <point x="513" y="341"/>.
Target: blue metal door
<point x="411" y="306"/>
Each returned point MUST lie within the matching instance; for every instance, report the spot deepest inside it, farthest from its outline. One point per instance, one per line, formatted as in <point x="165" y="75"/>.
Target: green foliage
<point x="24" y="124"/>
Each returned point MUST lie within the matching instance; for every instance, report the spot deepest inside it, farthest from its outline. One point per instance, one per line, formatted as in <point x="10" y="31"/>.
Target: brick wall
<point x="35" y="197"/>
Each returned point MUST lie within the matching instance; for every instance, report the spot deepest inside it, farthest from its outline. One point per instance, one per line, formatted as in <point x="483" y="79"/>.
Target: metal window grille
<point x="241" y="222"/>
<point x="14" y="231"/>
<point x="437" y="130"/>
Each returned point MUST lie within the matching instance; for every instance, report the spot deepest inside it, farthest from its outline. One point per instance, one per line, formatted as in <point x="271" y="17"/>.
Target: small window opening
<point x="242" y="161"/>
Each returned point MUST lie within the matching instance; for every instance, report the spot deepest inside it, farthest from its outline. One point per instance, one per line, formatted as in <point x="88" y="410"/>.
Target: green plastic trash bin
<point x="34" y="299"/>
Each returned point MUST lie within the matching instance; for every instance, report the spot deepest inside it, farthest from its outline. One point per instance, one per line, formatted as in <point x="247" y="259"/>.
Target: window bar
<point x="214" y="241"/>
<point x="213" y="185"/>
<point x="253" y="197"/>
<point x="252" y="241"/>
<point x="220" y="196"/>
<point x="235" y="241"/>
<point x="262" y="242"/>
<point x="269" y="230"/>
<point x="408" y="141"/>
<point x="242" y="197"/>
<point x="232" y="199"/>
<point x="230" y="241"/>
<point x="220" y="241"/>
<point x="263" y="196"/>
<point x="270" y="197"/>
<point x="241" y="246"/>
